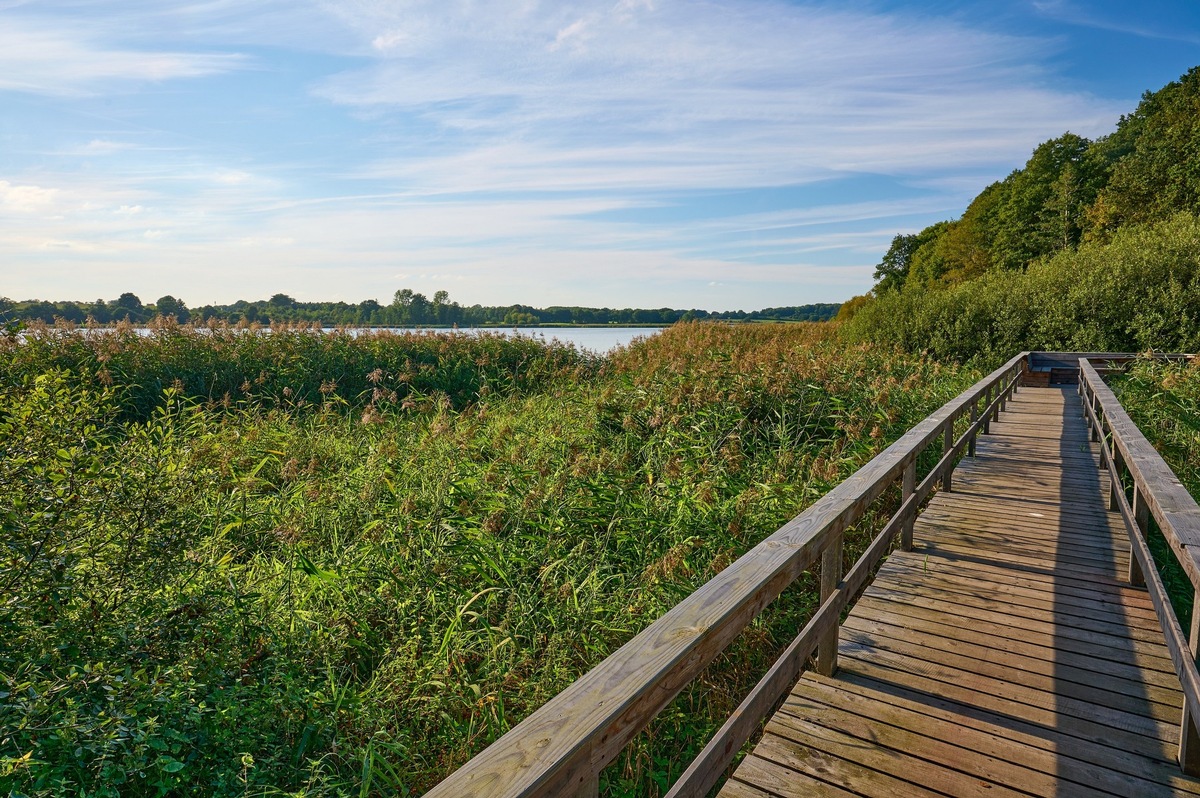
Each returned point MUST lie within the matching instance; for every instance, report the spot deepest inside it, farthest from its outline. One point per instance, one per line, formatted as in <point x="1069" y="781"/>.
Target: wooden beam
<point x="831" y="577"/>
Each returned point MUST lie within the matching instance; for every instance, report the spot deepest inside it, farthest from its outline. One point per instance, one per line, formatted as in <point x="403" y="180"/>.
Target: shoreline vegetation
<point x="408" y="309"/>
<point x="247" y="563"/>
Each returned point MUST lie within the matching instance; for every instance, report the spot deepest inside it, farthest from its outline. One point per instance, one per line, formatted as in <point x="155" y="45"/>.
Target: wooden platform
<point x="1003" y="656"/>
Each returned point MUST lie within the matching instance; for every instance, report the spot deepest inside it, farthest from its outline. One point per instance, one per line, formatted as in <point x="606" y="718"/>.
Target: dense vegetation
<point x="407" y="309"/>
<point x="1092" y="245"/>
<point x="245" y="563"/>
<point x="1163" y="399"/>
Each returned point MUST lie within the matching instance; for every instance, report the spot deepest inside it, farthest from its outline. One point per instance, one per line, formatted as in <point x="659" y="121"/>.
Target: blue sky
<point x="721" y="155"/>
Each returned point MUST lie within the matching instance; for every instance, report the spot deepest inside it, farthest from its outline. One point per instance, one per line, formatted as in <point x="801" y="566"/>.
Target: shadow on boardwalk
<point x="1004" y="656"/>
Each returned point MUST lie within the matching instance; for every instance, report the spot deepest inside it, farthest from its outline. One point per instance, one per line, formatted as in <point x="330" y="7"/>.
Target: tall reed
<point x="347" y="592"/>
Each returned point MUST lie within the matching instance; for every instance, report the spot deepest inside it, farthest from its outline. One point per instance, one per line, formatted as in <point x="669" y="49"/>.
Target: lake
<point x="600" y="340"/>
<point x="594" y="339"/>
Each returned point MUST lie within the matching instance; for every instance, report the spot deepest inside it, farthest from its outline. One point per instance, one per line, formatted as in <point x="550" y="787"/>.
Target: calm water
<point x="593" y="339"/>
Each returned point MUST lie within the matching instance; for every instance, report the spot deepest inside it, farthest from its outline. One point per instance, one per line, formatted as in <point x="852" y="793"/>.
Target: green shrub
<point x="1139" y="291"/>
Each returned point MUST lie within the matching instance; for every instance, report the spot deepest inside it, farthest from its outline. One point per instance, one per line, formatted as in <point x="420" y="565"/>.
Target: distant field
<point x="246" y="564"/>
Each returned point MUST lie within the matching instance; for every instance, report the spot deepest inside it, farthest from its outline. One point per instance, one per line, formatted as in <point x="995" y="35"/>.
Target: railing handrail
<point x="1157" y="494"/>
<point x="561" y="747"/>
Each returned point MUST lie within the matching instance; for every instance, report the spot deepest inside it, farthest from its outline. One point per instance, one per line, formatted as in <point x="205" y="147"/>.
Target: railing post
<point x="1116" y="488"/>
<point x="908" y="487"/>
<point x="1095" y="425"/>
<point x="1106" y="440"/>
<point x="974" y="432"/>
<point x="589" y="789"/>
<point x="1189" y="738"/>
<point x="947" y="445"/>
<point x="831" y="577"/>
<point x="987" y="410"/>
<point x="1141" y="516"/>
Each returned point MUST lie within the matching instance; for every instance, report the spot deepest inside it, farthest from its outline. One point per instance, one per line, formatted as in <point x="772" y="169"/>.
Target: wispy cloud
<point x="55" y="58"/>
<point x="1131" y="20"/>
<point x="683" y="95"/>
<point x="515" y="149"/>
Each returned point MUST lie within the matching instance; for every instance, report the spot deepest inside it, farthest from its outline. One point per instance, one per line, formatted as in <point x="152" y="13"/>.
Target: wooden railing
<point x="1156" y="494"/>
<point x="561" y="748"/>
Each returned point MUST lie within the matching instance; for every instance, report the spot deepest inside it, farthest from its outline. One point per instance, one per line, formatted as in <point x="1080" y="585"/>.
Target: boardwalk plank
<point x="953" y="715"/>
<point x="1004" y="655"/>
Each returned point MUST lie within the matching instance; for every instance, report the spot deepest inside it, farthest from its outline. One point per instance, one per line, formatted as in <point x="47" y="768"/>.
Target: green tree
<point x="1039" y="207"/>
<point x="1157" y="151"/>
<point x="170" y="306"/>
<point x="128" y="306"/>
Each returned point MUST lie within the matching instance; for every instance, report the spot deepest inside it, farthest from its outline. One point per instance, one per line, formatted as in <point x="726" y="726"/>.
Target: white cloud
<point x="679" y="96"/>
<point x="49" y="57"/>
<point x="231" y="177"/>
<point x="388" y="40"/>
<point x="575" y="33"/>
<point x="506" y="147"/>
<point x="103" y="147"/>
<point x="26" y="199"/>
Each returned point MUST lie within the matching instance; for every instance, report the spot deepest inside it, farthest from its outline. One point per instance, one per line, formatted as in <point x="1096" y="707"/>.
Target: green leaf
<point x="307" y="566"/>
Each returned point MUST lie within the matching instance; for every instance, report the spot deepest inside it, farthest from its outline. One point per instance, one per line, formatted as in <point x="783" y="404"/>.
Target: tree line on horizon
<point x="408" y="309"/>
<point x="1092" y="245"/>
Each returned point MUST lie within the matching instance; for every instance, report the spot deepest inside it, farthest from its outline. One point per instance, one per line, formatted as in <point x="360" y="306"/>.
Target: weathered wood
<point x="1189" y="737"/>
<point x="1157" y="493"/>
<point x="854" y="689"/>
<point x="707" y="767"/>
<point x="789" y="782"/>
<point x="1141" y="520"/>
<point x="974" y="434"/>
<point x="1045" y="764"/>
<point x="1174" y="510"/>
<point x="873" y="770"/>
<point x="980" y="700"/>
<point x="908" y="486"/>
<point x="831" y="577"/>
<point x="1004" y="642"/>
<point x="989" y="638"/>
<point x="712" y="761"/>
<point x="947" y="447"/>
<point x="1098" y="684"/>
<point x="1116" y="485"/>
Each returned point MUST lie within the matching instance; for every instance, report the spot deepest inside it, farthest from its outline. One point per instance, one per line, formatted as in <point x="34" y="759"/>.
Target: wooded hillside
<point x="1092" y="245"/>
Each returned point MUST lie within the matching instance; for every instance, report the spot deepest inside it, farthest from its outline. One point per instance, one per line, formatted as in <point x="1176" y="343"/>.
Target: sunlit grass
<point x="250" y="563"/>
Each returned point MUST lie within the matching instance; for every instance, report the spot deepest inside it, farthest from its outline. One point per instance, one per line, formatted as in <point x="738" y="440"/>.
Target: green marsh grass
<point x="248" y="563"/>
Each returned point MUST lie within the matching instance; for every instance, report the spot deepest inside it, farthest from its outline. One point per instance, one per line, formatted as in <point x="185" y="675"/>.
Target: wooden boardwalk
<point x="1005" y="655"/>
